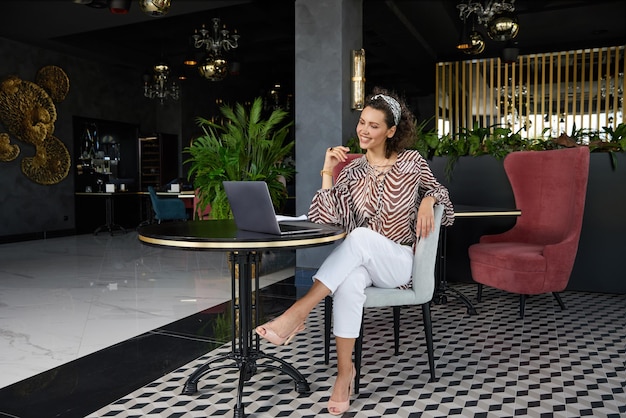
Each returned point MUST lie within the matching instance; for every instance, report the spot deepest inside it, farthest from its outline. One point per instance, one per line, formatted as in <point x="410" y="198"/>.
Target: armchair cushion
<point x="510" y="256"/>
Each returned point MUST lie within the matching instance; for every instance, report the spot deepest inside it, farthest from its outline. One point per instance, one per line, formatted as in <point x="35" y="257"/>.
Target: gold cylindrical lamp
<point x="358" y="79"/>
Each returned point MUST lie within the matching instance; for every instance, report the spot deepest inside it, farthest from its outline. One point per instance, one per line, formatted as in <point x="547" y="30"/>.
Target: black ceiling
<point x="403" y="39"/>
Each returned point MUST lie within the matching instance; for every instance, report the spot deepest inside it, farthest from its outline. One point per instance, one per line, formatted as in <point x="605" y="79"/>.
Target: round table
<point x="244" y="248"/>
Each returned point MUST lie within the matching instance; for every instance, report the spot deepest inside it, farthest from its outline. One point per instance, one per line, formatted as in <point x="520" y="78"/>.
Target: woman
<point x="383" y="200"/>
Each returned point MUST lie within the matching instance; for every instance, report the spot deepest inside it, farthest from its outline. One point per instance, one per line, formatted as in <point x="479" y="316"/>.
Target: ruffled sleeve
<point x="335" y="205"/>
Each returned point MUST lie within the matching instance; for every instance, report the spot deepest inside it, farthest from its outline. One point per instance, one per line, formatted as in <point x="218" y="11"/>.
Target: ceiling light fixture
<point x="158" y="85"/>
<point x="214" y="67"/>
<point x="477" y="43"/>
<point x="119" y="7"/>
<point x="465" y="41"/>
<point x="95" y="4"/>
<point x="485" y="12"/>
<point x="510" y="53"/>
<point x="471" y="43"/>
<point x="503" y="27"/>
<point x="496" y="16"/>
<point x="155" y="8"/>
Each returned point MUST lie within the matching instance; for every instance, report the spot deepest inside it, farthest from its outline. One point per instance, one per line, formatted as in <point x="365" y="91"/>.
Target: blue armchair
<point x="167" y="208"/>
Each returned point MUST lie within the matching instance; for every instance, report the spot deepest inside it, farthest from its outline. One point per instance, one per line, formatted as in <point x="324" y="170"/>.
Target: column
<point x="326" y="33"/>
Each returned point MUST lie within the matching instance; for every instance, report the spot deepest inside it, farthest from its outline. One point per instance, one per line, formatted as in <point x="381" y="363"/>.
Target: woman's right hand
<point x="334" y="156"/>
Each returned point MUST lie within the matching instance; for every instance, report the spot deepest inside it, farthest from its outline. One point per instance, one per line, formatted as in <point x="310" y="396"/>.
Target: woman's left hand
<point x="425" y="217"/>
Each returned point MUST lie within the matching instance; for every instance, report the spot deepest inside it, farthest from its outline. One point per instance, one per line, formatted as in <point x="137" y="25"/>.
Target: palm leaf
<point x="247" y="146"/>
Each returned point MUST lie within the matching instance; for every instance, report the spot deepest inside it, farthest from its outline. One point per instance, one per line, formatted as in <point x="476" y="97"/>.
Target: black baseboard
<point x="6" y="239"/>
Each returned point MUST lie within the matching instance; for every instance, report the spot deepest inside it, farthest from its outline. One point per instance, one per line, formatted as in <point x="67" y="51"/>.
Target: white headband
<point x="393" y="104"/>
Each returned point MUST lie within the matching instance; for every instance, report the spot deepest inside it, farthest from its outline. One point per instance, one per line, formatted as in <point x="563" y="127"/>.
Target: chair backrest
<point x="550" y="189"/>
<point x="425" y="260"/>
<point x="155" y="201"/>
<point x="153" y="196"/>
<point x="200" y="212"/>
<point x="340" y="166"/>
<point x="168" y="208"/>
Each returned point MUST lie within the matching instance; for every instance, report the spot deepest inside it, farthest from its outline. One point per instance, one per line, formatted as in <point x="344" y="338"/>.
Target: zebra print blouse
<point x="386" y="203"/>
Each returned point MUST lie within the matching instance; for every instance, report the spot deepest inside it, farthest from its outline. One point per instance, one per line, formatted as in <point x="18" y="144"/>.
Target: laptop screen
<point x="252" y="208"/>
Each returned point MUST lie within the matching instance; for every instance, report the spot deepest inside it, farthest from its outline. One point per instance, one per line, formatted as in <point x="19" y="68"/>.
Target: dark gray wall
<point x="96" y="91"/>
<point x="105" y="92"/>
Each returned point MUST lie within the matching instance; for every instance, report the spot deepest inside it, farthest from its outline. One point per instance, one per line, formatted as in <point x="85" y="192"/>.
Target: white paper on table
<point x="281" y="218"/>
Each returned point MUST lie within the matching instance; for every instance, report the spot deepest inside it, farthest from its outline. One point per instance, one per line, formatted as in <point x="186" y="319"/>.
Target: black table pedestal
<point x="462" y="212"/>
<point x="441" y="285"/>
<point x="245" y="347"/>
<point x="109" y="225"/>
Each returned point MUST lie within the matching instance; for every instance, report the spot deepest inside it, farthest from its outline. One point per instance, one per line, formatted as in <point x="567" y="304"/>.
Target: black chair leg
<point x="358" y="345"/>
<point x="358" y="351"/>
<point x="479" y="292"/>
<point x="559" y="300"/>
<point x="328" y="313"/>
<point x="396" y="330"/>
<point x="522" y="305"/>
<point x="428" y="330"/>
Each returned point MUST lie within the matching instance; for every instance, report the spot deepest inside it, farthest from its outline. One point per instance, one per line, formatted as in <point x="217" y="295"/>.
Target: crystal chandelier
<point x="496" y="16"/>
<point x="214" y="67"/>
<point x="613" y="90"/>
<point x="158" y="84"/>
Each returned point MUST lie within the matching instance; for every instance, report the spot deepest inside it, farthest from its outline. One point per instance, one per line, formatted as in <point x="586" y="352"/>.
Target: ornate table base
<point x="245" y="347"/>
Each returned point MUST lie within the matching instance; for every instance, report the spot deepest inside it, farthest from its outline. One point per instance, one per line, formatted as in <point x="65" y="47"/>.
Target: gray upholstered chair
<point x="421" y="293"/>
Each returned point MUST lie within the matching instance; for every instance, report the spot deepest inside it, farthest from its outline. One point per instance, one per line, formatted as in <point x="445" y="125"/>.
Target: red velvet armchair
<point x="537" y="255"/>
<point x="200" y="212"/>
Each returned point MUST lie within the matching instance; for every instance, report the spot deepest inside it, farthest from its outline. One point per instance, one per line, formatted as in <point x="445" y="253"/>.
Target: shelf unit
<point x="158" y="160"/>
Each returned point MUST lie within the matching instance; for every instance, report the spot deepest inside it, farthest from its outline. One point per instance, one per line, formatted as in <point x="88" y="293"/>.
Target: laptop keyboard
<point x="290" y="227"/>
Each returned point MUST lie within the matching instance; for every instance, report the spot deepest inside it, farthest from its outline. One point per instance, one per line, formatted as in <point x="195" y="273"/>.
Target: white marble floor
<point x="64" y="298"/>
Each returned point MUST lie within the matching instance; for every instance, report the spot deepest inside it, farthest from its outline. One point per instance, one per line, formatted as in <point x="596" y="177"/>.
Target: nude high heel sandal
<point x="338" y="408"/>
<point x="266" y="331"/>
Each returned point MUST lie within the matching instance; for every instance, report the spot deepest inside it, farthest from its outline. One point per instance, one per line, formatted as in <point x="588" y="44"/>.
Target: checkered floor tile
<point x="552" y="363"/>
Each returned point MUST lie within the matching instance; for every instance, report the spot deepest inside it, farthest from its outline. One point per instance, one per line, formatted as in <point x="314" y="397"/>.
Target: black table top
<point x="223" y="235"/>
<point x="469" y="211"/>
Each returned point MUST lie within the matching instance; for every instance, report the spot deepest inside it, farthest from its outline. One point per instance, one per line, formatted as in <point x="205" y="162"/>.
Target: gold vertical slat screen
<point x="539" y="95"/>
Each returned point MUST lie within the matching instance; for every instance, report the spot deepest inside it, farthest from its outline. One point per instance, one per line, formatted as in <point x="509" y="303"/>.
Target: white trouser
<point x="365" y="258"/>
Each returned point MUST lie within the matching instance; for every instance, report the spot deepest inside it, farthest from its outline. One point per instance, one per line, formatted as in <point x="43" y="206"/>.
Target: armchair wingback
<point x="537" y="255"/>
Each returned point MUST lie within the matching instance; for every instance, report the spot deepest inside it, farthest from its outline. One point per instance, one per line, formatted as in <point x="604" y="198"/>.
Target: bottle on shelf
<point x="87" y="151"/>
<point x="99" y="152"/>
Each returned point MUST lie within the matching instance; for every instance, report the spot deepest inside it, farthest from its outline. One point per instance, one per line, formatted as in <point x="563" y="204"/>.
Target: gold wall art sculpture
<point x="8" y="151"/>
<point x="28" y="113"/>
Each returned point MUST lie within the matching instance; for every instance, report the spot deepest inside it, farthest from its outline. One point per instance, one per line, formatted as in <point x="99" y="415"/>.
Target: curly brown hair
<point x="405" y="129"/>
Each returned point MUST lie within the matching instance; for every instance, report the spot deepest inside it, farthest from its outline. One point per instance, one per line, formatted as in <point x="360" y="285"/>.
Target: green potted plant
<point x="246" y="146"/>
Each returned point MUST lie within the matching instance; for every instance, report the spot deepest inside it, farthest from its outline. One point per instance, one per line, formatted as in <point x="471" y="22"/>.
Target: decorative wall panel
<point x="541" y="95"/>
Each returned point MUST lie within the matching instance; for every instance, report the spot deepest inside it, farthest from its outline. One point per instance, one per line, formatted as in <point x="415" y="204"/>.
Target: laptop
<point x="253" y="210"/>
